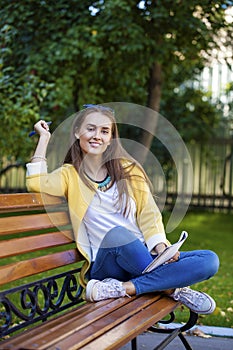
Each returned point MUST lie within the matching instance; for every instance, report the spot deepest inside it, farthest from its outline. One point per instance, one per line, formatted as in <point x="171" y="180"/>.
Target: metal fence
<point x="212" y="177"/>
<point x="12" y="177"/>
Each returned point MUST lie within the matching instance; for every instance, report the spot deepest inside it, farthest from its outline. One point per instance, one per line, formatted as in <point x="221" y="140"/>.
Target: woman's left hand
<point x="159" y="248"/>
<point x="174" y="258"/>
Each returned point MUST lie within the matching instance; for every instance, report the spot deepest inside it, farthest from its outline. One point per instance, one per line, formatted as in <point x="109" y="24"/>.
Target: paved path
<point x="148" y="341"/>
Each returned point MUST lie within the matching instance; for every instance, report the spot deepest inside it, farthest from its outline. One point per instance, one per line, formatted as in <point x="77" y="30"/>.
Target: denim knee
<point x="213" y="263"/>
<point x="210" y="264"/>
<point x="117" y="237"/>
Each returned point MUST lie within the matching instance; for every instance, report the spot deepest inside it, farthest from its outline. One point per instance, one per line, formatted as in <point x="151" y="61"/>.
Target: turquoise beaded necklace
<point x="102" y="185"/>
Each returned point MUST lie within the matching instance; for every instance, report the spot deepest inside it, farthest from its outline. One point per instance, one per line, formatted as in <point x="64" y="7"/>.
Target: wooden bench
<point x="36" y="241"/>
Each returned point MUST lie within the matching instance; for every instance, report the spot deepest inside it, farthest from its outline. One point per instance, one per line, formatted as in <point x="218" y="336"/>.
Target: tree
<point x="37" y="70"/>
<point x="58" y="55"/>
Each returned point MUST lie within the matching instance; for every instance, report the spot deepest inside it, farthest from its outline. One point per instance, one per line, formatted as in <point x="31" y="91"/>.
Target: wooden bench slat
<point x="32" y="222"/>
<point x="27" y="201"/>
<point x="127" y="330"/>
<point x="58" y="329"/>
<point x="108" y="317"/>
<point x="131" y="314"/>
<point x="106" y="323"/>
<point x="53" y="326"/>
<point x="23" y="245"/>
<point x="33" y="266"/>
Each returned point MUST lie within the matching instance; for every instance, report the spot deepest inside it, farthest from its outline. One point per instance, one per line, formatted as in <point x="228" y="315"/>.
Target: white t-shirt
<point x="102" y="215"/>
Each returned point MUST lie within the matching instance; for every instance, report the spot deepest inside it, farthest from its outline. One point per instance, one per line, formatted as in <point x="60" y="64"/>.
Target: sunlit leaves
<point x="58" y="55"/>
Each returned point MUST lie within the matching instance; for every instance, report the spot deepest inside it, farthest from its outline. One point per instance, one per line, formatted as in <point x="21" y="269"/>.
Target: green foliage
<point x="191" y="112"/>
<point x="58" y="55"/>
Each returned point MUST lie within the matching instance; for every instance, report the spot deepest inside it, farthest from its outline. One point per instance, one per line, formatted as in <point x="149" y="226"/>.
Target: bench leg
<point x="167" y="340"/>
<point x="134" y="344"/>
<point x="172" y="336"/>
<point x="176" y="332"/>
<point x="185" y="342"/>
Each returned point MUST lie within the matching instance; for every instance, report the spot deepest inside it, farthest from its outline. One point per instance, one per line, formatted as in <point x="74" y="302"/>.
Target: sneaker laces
<point x="112" y="288"/>
<point x="196" y="301"/>
<point x="189" y="295"/>
<point x="118" y="287"/>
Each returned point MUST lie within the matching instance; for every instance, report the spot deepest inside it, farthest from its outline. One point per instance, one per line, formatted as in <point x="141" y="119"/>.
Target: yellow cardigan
<point x="66" y="182"/>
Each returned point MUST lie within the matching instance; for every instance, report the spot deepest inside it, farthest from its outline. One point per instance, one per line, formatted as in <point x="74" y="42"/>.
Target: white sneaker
<point x="199" y="302"/>
<point x="106" y="289"/>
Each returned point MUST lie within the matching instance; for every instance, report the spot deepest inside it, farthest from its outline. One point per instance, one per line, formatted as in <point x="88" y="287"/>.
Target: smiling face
<point x="95" y="133"/>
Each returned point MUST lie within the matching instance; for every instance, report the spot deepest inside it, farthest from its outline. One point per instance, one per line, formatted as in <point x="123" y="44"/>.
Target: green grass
<point x="212" y="231"/>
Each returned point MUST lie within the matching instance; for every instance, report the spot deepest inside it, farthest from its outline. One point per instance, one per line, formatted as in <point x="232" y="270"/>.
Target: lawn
<point x="212" y="231"/>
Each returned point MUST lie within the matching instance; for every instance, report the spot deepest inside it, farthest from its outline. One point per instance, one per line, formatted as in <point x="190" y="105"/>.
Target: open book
<point x="167" y="254"/>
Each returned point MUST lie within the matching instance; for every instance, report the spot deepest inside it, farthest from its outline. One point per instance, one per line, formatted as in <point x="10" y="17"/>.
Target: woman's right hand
<point x="42" y="128"/>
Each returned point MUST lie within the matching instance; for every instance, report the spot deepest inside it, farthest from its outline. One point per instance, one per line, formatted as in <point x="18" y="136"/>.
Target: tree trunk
<point x="155" y="84"/>
<point x="150" y="123"/>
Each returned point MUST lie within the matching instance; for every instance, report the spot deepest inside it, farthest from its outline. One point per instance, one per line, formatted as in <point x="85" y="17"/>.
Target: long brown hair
<point x="115" y="158"/>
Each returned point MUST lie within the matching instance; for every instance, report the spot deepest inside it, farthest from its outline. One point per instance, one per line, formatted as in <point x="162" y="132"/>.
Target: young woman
<point x="116" y="222"/>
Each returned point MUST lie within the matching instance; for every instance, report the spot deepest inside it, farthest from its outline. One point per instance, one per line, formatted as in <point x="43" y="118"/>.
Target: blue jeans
<point x="122" y="256"/>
